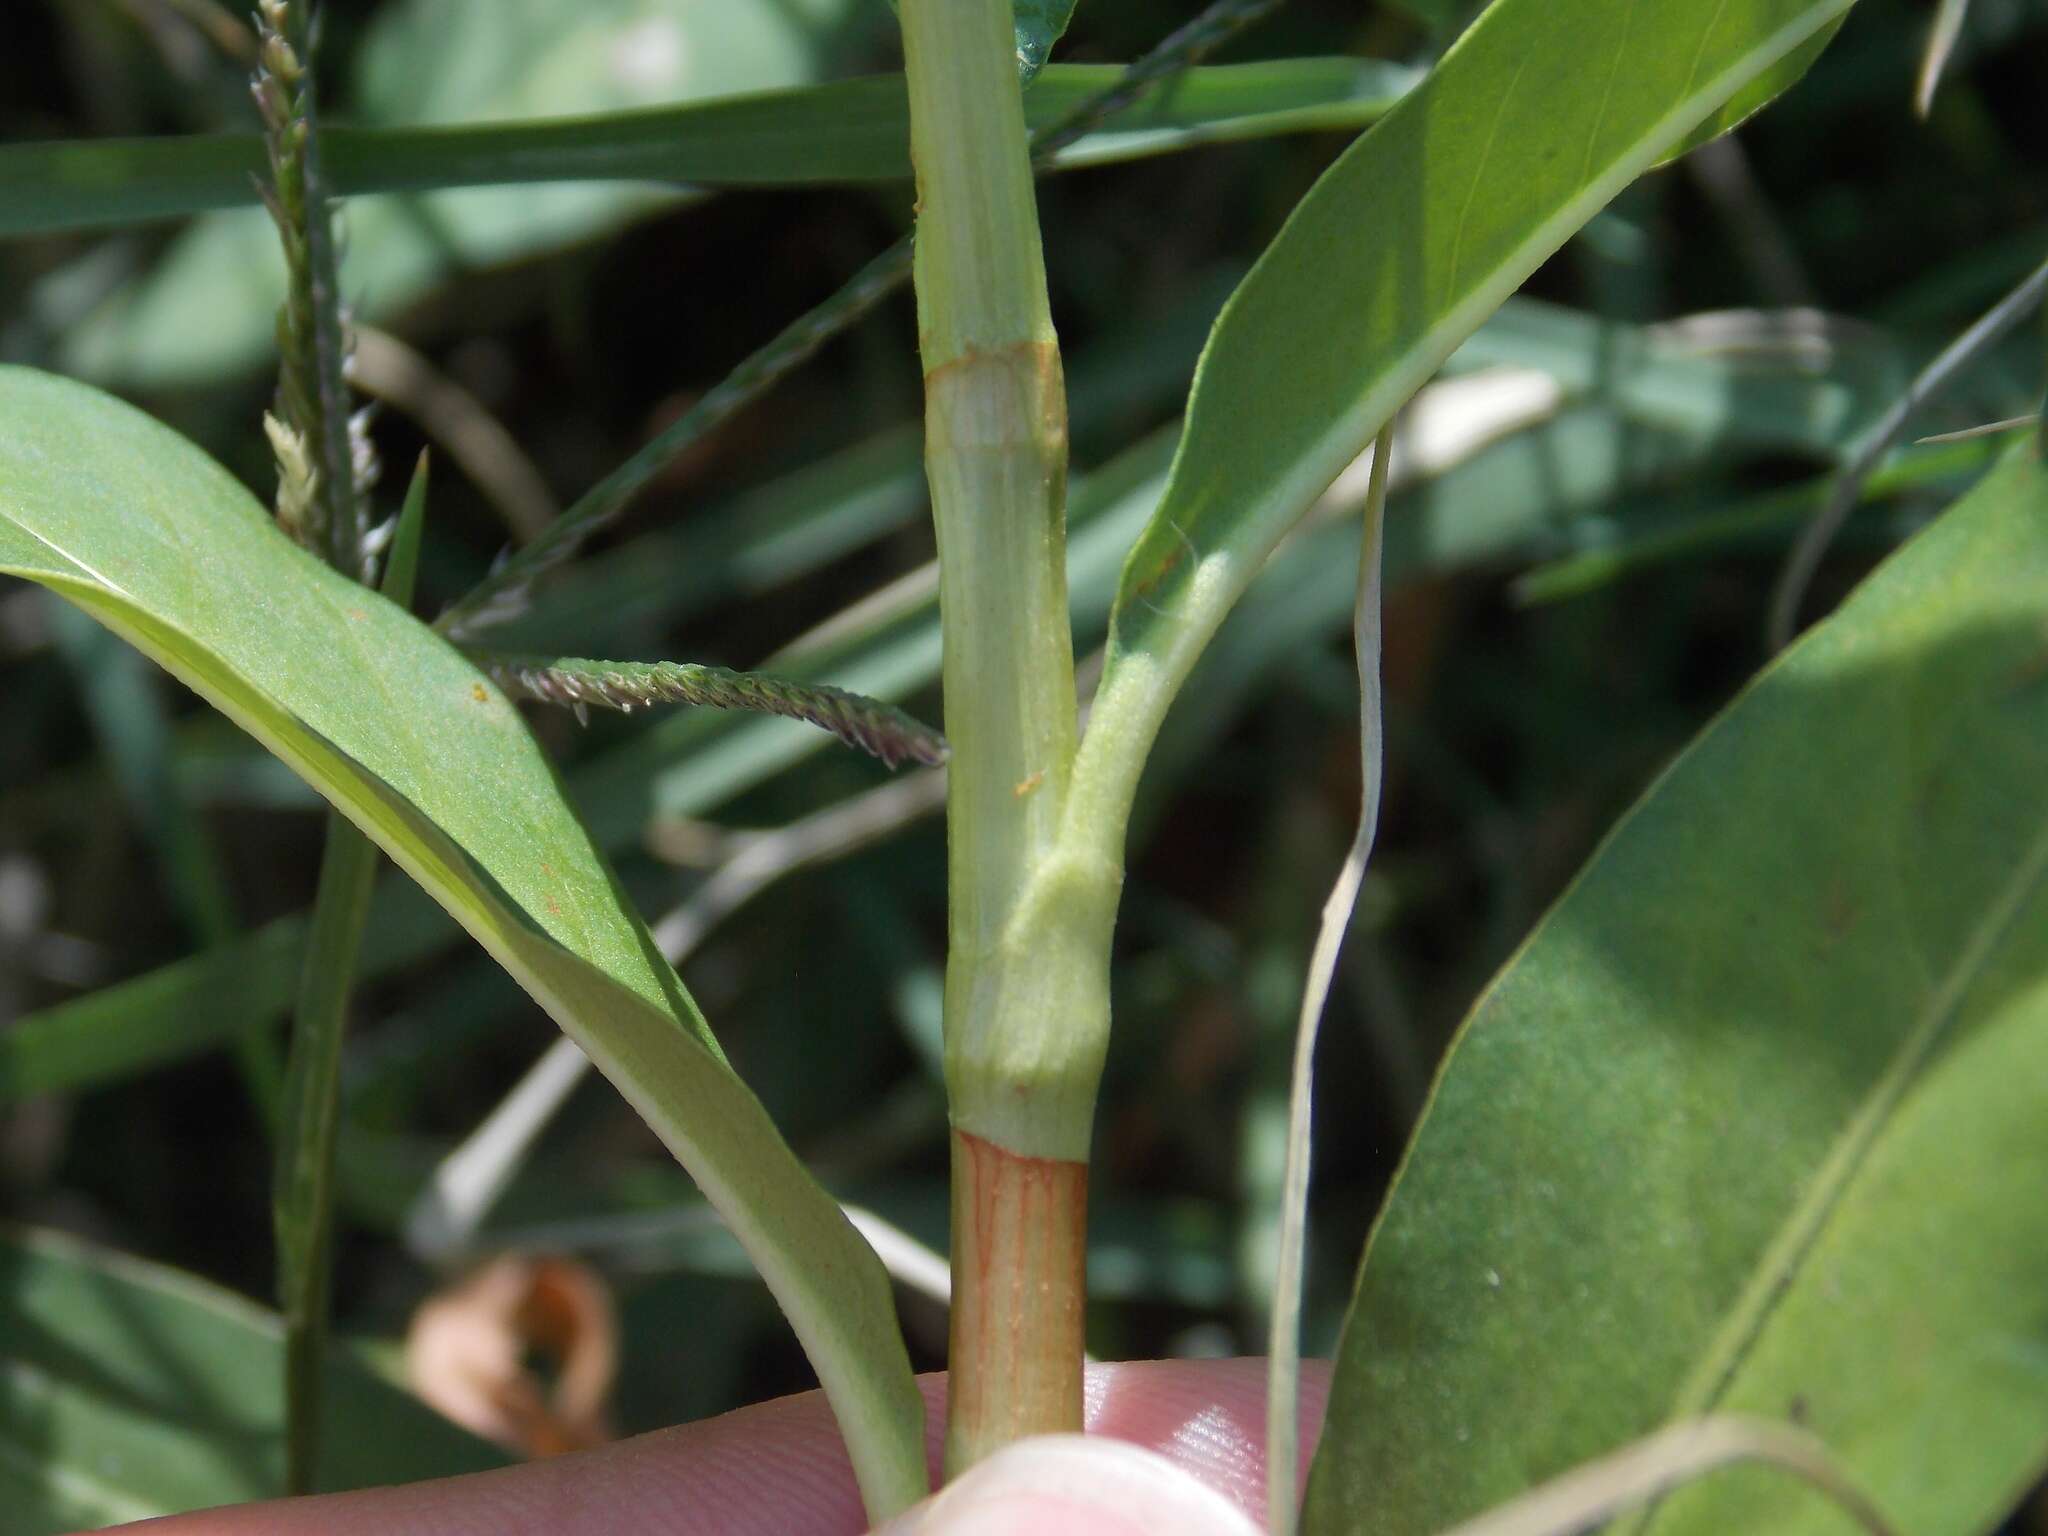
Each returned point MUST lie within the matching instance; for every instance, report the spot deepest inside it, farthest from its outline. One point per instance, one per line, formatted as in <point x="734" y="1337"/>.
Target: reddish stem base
<point x="1020" y="1227"/>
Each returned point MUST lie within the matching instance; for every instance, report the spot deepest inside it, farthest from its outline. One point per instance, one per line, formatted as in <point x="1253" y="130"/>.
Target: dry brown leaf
<point x="469" y="1345"/>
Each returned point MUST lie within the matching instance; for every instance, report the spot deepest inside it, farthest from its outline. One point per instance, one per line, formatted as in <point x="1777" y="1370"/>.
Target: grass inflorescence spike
<point x="879" y="729"/>
<point x="325" y="464"/>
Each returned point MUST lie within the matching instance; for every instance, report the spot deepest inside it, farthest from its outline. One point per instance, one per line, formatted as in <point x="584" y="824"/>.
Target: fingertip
<point x="1208" y="1416"/>
<point x="1078" y="1487"/>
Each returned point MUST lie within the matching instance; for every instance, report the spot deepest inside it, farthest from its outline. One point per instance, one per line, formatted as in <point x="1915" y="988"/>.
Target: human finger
<point x="778" y="1467"/>
<point x="1074" y="1485"/>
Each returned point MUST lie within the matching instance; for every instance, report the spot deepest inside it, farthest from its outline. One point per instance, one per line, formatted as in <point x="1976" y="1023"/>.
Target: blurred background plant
<point x="1586" y="521"/>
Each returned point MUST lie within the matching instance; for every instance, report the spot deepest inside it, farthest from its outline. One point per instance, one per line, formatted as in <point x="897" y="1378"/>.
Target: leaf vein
<point x="1804" y="1226"/>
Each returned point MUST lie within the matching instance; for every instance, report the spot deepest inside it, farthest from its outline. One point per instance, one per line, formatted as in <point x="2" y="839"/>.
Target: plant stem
<point x="1019" y="1255"/>
<point x="1026" y="974"/>
<point x="323" y="476"/>
<point x="303" y="1196"/>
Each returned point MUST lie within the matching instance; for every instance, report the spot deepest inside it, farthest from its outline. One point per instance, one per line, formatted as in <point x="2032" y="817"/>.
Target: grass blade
<point x="853" y="131"/>
<point x="1814" y="539"/>
<point x="1283" y="1351"/>
<point x="1941" y="43"/>
<point x="1612" y="1486"/>
<point x="303" y="1198"/>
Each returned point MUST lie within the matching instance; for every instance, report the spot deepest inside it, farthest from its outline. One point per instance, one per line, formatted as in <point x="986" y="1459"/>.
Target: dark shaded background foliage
<point x="1518" y="733"/>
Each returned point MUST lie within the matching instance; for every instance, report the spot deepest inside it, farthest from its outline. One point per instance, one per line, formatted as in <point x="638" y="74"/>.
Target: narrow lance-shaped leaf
<point x="1534" y="120"/>
<point x="1753" y="1122"/>
<point x="130" y="522"/>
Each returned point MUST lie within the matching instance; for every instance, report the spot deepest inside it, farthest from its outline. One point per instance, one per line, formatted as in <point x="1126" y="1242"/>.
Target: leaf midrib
<point x="1803" y="1226"/>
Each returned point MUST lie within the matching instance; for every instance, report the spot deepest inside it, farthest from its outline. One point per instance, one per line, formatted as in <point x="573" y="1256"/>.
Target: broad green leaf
<point x="1541" y="113"/>
<point x="129" y="1390"/>
<point x="1753" y="1122"/>
<point x="131" y="523"/>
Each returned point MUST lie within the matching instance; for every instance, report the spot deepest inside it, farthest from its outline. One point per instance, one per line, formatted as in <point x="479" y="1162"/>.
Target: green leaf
<point x="209" y="305"/>
<point x="1753" y="1122"/>
<point x="1534" y="120"/>
<point x="132" y="1390"/>
<point x="1941" y="42"/>
<point x="198" y="1003"/>
<point x="1039" y="25"/>
<point x="1759" y="93"/>
<point x="123" y="700"/>
<point x="303" y="1180"/>
<point x="131" y="523"/>
<point x="849" y="131"/>
<point x="424" y="64"/>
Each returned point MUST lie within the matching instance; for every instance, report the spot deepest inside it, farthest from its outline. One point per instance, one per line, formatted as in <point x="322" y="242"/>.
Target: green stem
<point x="1026" y="975"/>
<point x="303" y="1196"/>
<point x="319" y="502"/>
